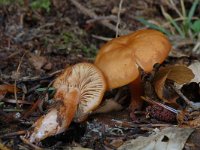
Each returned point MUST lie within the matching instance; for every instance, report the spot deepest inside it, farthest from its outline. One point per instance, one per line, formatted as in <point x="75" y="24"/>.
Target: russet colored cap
<point x="120" y="58"/>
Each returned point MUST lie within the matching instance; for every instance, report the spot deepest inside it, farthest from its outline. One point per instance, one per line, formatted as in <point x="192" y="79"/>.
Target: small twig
<point x="36" y="78"/>
<point x="32" y="79"/>
<point x="30" y="144"/>
<point x="101" y="38"/>
<point x="12" y="110"/>
<point x="13" y="54"/>
<point x="175" y="8"/>
<point x="101" y="18"/>
<point x="13" y="101"/>
<point x="21" y="20"/>
<point x="131" y="125"/>
<point x="185" y="42"/>
<point x="196" y="47"/>
<point x="13" y="134"/>
<point x="15" y="84"/>
<point x="118" y="18"/>
<point x="36" y="104"/>
<point x="91" y="14"/>
<point x="194" y="106"/>
<point x="30" y="110"/>
<point x="160" y="104"/>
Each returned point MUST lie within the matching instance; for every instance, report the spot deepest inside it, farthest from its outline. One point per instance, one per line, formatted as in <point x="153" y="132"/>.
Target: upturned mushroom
<point x="80" y="90"/>
<point x="121" y="58"/>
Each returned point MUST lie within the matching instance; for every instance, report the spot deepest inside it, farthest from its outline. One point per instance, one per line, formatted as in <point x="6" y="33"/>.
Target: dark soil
<point x="36" y="45"/>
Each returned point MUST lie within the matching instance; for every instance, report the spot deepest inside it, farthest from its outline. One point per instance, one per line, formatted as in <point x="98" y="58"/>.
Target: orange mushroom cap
<point x="90" y="82"/>
<point x="80" y="90"/>
<point x="119" y="58"/>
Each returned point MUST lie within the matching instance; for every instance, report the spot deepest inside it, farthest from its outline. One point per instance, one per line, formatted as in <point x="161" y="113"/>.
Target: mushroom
<point x="91" y="84"/>
<point x="121" y="58"/>
<point x="80" y="90"/>
<point x="57" y="119"/>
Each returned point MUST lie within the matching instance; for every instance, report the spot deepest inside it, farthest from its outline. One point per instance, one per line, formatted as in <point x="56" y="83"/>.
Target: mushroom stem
<point x="57" y="119"/>
<point x="136" y="91"/>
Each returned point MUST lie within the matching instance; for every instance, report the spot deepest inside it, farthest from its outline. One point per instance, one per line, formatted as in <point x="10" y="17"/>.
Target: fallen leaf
<point x="179" y="74"/>
<point x="189" y="119"/>
<point x="7" y="88"/>
<point x="37" y="61"/>
<point x="163" y="91"/>
<point x="116" y="143"/>
<point x="48" y="66"/>
<point x="171" y="138"/>
<point x="195" y="67"/>
<point x="159" y="84"/>
<point x="13" y="101"/>
<point x="109" y="105"/>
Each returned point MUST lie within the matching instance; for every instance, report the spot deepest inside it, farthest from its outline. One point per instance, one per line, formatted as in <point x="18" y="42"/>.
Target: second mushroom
<point x="80" y="90"/>
<point x="121" y="58"/>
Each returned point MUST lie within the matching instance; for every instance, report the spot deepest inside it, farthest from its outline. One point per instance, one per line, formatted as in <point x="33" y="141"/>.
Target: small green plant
<point x="34" y="4"/>
<point x="45" y="89"/>
<point x="8" y="2"/>
<point x="68" y="37"/>
<point x="70" y="41"/>
<point x="90" y="51"/>
<point x="186" y="25"/>
<point x="4" y="2"/>
<point x="41" y="4"/>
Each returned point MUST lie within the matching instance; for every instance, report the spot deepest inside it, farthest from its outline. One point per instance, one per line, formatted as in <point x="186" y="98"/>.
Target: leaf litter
<point x="55" y="41"/>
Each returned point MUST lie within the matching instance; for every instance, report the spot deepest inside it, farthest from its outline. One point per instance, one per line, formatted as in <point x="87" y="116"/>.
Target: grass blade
<point x="183" y="8"/>
<point x="192" y="10"/>
<point x="153" y="26"/>
<point x="173" y="22"/>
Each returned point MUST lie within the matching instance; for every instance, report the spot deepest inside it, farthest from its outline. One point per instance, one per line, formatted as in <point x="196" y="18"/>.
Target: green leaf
<point x="196" y="26"/>
<point x="41" y="4"/>
<point x="192" y="10"/>
<point x="44" y="89"/>
<point x="153" y="26"/>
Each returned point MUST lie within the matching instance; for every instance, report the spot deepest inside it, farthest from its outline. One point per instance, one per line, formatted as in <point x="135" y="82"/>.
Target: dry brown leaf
<point x="159" y="85"/>
<point x="37" y="61"/>
<point x="164" y="92"/>
<point x="116" y="143"/>
<point x="171" y="138"/>
<point x="7" y="88"/>
<point x="109" y="105"/>
<point x="195" y="67"/>
<point x="179" y="74"/>
<point x="187" y="119"/>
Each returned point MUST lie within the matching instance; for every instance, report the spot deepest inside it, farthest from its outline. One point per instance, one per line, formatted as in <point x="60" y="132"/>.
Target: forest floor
<point x="38" y="43"/>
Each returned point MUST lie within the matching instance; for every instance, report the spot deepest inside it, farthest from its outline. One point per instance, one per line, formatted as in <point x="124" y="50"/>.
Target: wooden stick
<point x="13" y="134"/>
<point x="30" y="144"/>
<point x="93" y="15"/>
